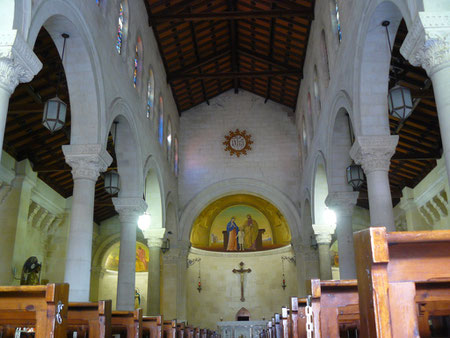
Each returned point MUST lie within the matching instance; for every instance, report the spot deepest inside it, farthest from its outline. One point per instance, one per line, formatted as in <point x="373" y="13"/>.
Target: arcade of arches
<point x="124" y="186"/>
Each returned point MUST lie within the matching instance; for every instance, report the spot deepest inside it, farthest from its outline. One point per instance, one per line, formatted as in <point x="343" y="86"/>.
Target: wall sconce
<point x="289" y="260"/>
<point x="314" y="244"/>
<point x="165" y="245"/>
<point x="191" y="262"/>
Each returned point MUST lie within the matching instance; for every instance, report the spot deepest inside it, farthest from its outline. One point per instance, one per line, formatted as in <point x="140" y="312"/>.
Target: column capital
<point x="374" y="152"/>
<point x="427" y="44"/>
<point x="154" y="237"/>
<point x="323" y="232"/>
<point x="18" y="63"/>
<point x="342" y="202"/>
<point x="87" y="160"/>
<point x="129" y="208"/>
<point x="297" y="245"/>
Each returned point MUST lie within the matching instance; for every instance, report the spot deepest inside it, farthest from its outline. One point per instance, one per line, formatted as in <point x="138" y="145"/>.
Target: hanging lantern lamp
<point x="355" y="176"/>
<point x="55" y="109"/>
<point x="400" y="102"/>
<point x="112" y="181"/>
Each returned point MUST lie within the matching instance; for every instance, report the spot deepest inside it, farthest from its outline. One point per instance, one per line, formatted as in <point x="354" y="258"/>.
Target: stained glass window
<point x="98" y="2"/>
<point x="161" y="122"/>
<point x="169" y="141"/>
<point x="175" y="162"/>
<point x="150" y="95"/>
<point x="338" y="21"/>
<point x="120" y="29"/>
<point x="135" y="72"/>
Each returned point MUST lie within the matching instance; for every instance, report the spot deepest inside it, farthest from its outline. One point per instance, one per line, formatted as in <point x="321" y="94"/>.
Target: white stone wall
<point x="273" y="158"/>
<point x="221" y="288"/>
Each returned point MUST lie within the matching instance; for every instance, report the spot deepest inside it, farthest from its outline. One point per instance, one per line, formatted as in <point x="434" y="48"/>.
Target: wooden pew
<point x="327" y="298"/>
<point x="42" y="306"/>
<point x="298" y="317"/>
<point x="127" y="323"/>
<point x="285" y="323"/>
<point x="91" y="318"/>
<point x="170" y="328"/>
<point x="395" y="270"/>
<point x="180" y="330"/>
<point x="189" y="332"/>
<point x="152" y="326"/>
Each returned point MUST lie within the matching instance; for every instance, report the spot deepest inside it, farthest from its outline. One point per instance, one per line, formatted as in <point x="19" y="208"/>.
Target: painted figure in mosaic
<point x="251" y="233"/>
<point x="232" y="230"/>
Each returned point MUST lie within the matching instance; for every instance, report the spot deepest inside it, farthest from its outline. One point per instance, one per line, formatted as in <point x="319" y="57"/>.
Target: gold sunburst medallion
<point x="238" y="142"/>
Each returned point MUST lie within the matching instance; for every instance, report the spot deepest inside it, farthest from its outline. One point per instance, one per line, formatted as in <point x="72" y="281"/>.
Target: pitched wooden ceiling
<point x="27" y="138"/>
<point x="211" y="46"/>
<point x="420" y="142"/>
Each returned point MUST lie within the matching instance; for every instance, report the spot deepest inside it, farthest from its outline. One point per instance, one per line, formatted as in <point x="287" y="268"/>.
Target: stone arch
<point x="238" y="186"/>
<point x="339" y="142"/>
<point x="128" y="150"/>
<point x="81" y="65"/>
<point x="154" y="182"/>
<point x="372" y="64"/>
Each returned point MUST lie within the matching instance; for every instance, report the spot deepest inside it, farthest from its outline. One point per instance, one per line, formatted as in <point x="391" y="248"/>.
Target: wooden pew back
<point x="92" y="317"/>
<point x="152" y="326"/>
<point x="327" y="298"/>
<point x="44" y="306"/>
<point x="170" y="328"/>
<point x="390" y="269"/>
<point x="127" y="322"/>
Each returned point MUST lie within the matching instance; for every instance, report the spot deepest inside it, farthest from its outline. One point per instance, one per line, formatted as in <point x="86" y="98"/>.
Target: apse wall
<point x="221" y="290"/>
<point x="274" y="155"/>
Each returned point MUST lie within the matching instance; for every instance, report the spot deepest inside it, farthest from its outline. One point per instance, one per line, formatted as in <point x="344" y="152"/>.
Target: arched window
<point x="304" y="137"/>
<point x="175" y="160"/>
<point x="150" y="94"/>
<point x="120" y="28"/>
<point x="338" y="20"/>
<point x="317" y="91"/>
<point x="161" y="121"/>
<point x="98" y="2"/>
<point x="137" y="63"/>
<point x="169" y="141"/>
<point x="326" y="62"/>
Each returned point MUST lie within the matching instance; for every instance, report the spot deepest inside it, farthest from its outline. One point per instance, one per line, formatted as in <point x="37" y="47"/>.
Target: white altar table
<point x="241" y="329"/>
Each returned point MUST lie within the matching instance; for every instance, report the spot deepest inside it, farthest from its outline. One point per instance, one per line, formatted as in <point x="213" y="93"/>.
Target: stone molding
<point x="200" y="252"/>
<point x="18" y="63"/>
<point x="129" y="208"/>
<point x="427" y="44"/>
<point x="154" y="236"/>
<point x="323" y="232"/>
<point x="374" y="152"/>
<point x="342" y="202"/>
<point x="87" y="160"/>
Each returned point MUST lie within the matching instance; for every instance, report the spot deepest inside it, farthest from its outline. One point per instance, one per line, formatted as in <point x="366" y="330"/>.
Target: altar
<point x="241" y="329"/>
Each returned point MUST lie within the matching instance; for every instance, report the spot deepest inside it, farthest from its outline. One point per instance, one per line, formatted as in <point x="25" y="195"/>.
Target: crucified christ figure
<point x="241" y="271"/>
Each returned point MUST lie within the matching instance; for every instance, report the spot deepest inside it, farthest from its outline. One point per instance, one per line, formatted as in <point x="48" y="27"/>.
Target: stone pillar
<point x="374" y="154"/>
<point x="323" y="234"/>
<point x="427" y="45"/>
<point x="129" y="210"/>
<point x="87" y="161"/>
<point x="154" y="241"/>
<point x="18" y="63"/>
<point x="184" y="247"/>
<point x="343" y="204"/>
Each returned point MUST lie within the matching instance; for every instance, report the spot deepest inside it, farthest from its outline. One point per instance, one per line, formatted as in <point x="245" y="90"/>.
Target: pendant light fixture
<point x="55" y="109"/>
<point x="354" y="172"/>
<point x="399" y="97"/>
<point x="112" y="178"/>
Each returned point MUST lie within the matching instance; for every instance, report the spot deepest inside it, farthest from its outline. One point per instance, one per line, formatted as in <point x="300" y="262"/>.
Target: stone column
<point x="323" y="234"/>
<point x="184" y="247"/>
<point x="129" y="210"/>
<point x="428" y="45"/>
<point x="343" y="204"/>
<point x="154" y="241"/>
<point x="87" y="161"/>
<point x="18" y="63"/>
<point x="374" y="154"/>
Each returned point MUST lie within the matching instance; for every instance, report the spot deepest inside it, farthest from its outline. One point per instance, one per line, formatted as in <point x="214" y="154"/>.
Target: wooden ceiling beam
<point x="232" y="75"/>
<point x="231" y="4"/>
<point x="306" y="13"/>
<point x="417" y="156"/>
<point x="264" y="58"/>
<point x="205" y="61"/>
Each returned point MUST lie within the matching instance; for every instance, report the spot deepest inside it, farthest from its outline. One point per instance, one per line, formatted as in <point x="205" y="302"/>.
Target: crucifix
<point x="241" y="271"/>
